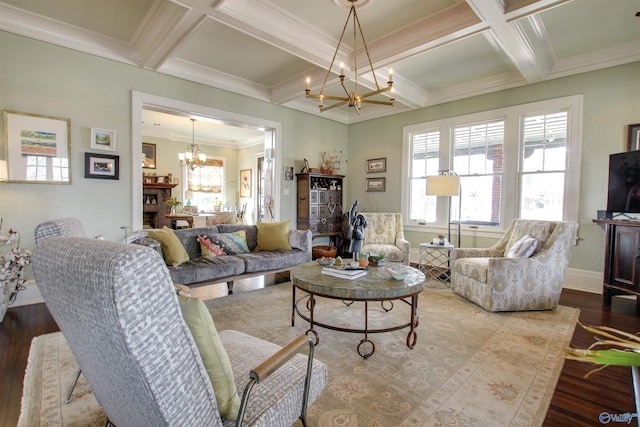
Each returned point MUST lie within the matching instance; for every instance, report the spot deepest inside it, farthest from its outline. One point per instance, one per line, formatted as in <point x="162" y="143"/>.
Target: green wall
<point x="39" y="78"/>
<point x="611" y="101"/>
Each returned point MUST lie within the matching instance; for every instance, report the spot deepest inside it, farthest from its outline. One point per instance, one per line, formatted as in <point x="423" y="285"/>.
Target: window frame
<point x="510" y="199"/>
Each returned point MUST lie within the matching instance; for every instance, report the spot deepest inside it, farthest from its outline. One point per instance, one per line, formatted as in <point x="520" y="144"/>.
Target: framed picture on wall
<point x="245" y="183"/>
<point x="633" y="141"/>
<point x="102" y="139"/>
<point x="101" y="166"/>
<point x="376" y="184"/>
<point x="32" y="136"/>
<point x="148" y="155"/>
<point x="377" y="165"/>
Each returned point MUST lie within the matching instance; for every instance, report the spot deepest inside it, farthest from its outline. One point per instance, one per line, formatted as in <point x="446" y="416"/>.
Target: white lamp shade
<point x="443" y="185"/>
<point x="188" y="195"/>
<point x="4" y="175"/>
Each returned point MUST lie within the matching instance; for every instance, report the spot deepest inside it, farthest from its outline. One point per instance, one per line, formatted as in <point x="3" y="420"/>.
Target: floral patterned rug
<point x="469" y="367"/>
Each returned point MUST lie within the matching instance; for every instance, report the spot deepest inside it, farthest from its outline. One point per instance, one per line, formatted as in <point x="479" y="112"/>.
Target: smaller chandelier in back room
<point x="352" y="98"/>
<point x="192" y="156"/>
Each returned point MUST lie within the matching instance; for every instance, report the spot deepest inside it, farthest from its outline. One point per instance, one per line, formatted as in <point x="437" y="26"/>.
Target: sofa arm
<point x="458" y="253"/>
<point x="301" y="239"/>
<point x="150" y="243"/>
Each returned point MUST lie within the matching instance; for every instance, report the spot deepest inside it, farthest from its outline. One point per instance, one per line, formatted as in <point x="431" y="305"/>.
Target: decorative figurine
<point x="357" y="224"/>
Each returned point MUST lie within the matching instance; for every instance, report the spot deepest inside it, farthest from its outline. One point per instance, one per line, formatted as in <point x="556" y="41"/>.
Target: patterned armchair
<point x="118" y="309"/>
<point x="384" y="233"/>
<point x="496" y="282"/>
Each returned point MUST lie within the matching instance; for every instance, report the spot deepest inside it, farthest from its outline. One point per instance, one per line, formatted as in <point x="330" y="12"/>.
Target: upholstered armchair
<point x="124" y="322"/>
<point x="524" y="270"/>
<point x="384" y="233"/>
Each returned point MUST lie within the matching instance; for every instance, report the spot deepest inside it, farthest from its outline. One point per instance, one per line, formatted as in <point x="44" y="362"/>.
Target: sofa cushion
<point x="540" y="230"/>
<point x="523" y="248"/>
<point x="206" y="269"/>
<point x="172" y="250"/>
<point x="214" y="357"/>
<point x="251" y="233"/>
<point x="232" y="243"/>
<point x="189" y="238"/>
<point x="273" y="260"/>
<point x="210" y="249"/>
<point x="273" y="236"/>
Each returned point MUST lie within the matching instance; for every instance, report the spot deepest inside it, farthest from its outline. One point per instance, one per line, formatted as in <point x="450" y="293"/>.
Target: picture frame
<point x="46" y="138"/>
<point x="245" y="183"/>
<point x="101" y="166"/>
<point x="288" y="173"/>
<point x="148" y="155"/>
<point x="633" y="139"/>
<point x="377" y="165"/>
<point x="376" y="184"/>
<point x="103" y="139"/>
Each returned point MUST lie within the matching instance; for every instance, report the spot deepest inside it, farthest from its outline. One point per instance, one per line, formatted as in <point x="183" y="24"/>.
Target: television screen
<point x="624" y="182"/>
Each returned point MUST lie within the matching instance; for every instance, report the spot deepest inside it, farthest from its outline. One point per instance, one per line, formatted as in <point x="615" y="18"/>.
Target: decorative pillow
<point x="523" y="248"/>
<point x="273" y="236"/>
<point x="232" y="243"/>
<point x="214" y="356"/>
<point x="208" y="248"/>
<point x="172" y="250"/>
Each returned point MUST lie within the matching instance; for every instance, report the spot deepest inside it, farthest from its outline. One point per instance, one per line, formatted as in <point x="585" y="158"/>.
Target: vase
<point x="173" y="210"/>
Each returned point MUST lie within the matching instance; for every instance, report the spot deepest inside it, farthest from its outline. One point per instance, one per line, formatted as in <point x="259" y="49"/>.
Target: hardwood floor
<point x="577" y="401"/>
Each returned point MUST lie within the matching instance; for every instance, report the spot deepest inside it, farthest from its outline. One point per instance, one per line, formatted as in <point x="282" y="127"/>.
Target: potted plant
<point x="376" y="260"/>
<point x="172" y="203"/>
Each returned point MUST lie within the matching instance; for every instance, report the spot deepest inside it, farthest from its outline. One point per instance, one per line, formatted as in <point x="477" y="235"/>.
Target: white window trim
<point x="510" y="199"/>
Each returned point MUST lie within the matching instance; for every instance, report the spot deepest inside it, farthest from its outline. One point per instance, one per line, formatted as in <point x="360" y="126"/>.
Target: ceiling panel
<point x="103" y="17"/>
<point x="220" y="47"/>
<point x="472" y="58"/>
<point x="583" y="26"/>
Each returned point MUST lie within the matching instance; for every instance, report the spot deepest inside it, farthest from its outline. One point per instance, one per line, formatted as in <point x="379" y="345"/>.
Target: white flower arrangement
<point x="12" y="264"/>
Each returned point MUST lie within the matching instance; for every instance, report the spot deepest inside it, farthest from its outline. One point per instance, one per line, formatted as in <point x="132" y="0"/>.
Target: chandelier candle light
<point x="192" y="156"/>
<point x="353" y="98"/>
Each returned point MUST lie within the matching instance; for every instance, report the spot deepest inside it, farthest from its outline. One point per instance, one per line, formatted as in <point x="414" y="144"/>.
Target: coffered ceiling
<point x="440" y="50"/>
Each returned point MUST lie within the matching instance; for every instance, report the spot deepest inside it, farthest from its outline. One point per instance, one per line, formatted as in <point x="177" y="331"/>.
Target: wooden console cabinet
<point x="319" y="205"/>
<point x="155" y="209"/>
<point x="622" y="260"/>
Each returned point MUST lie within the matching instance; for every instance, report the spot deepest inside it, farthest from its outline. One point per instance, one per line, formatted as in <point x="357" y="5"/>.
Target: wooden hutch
<point x="319" y="204"/>
<point x="154" y="197"/>
<point x="622" y="259"/>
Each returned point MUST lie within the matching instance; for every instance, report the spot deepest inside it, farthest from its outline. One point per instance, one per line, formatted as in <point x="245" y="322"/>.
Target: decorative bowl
<point x="324" y="251"/>
<point x="399" y="276"/>
<point x="325" y="261"/>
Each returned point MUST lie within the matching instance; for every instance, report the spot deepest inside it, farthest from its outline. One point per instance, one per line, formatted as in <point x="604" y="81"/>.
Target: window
<point x="205" y="182"/>
<point x="516" y="162"/>
<point x="44" y="168"/>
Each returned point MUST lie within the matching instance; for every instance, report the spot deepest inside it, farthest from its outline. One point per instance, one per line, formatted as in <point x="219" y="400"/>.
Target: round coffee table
<point x="376" y="285"/>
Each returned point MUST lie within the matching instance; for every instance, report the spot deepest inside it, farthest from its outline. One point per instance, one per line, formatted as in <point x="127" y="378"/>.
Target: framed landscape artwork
<point x="101" y="166"/>
<point x="102" y="139"/>
<point x="376" y="184"/>
<point x="377" y="165"/>
<point x="38" y="148"/>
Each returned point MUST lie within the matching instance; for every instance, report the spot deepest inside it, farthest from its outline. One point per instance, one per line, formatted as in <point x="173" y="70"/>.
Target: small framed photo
<point x="288" y="173"/>
<point x="376" y="184"/>
<point x="103" y="139"/>
<point x="377" y="165"/>
<point x="633" y="141"/>
<point x="101" y="166"/>
<point x="148" y="155"/>
<point x="245" y="183"/>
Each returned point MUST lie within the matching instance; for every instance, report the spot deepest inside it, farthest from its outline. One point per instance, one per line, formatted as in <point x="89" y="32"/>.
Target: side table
<point x="434" y="261"/>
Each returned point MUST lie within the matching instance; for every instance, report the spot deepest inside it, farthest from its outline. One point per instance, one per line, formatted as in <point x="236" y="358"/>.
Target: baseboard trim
<point x="30" y="295"/>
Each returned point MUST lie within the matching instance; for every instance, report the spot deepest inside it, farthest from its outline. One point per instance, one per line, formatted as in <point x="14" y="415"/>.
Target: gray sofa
<point x="229" y="268"/>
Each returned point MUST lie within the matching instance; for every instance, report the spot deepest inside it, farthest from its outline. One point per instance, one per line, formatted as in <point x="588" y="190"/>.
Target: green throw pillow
<point x="214" y="356"/>
<point x="172" y="250"/>
<point x="273" y="236"/>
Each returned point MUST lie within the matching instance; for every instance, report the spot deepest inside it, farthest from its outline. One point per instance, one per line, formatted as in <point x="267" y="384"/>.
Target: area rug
<point x="469" y="367"/>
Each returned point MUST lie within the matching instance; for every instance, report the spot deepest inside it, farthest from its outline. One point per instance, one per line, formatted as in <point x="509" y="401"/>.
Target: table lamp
<point x="445" y="184"/>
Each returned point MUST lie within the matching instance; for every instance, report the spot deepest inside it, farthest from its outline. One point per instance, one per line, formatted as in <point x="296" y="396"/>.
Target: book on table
<point x="349" y="273"/>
